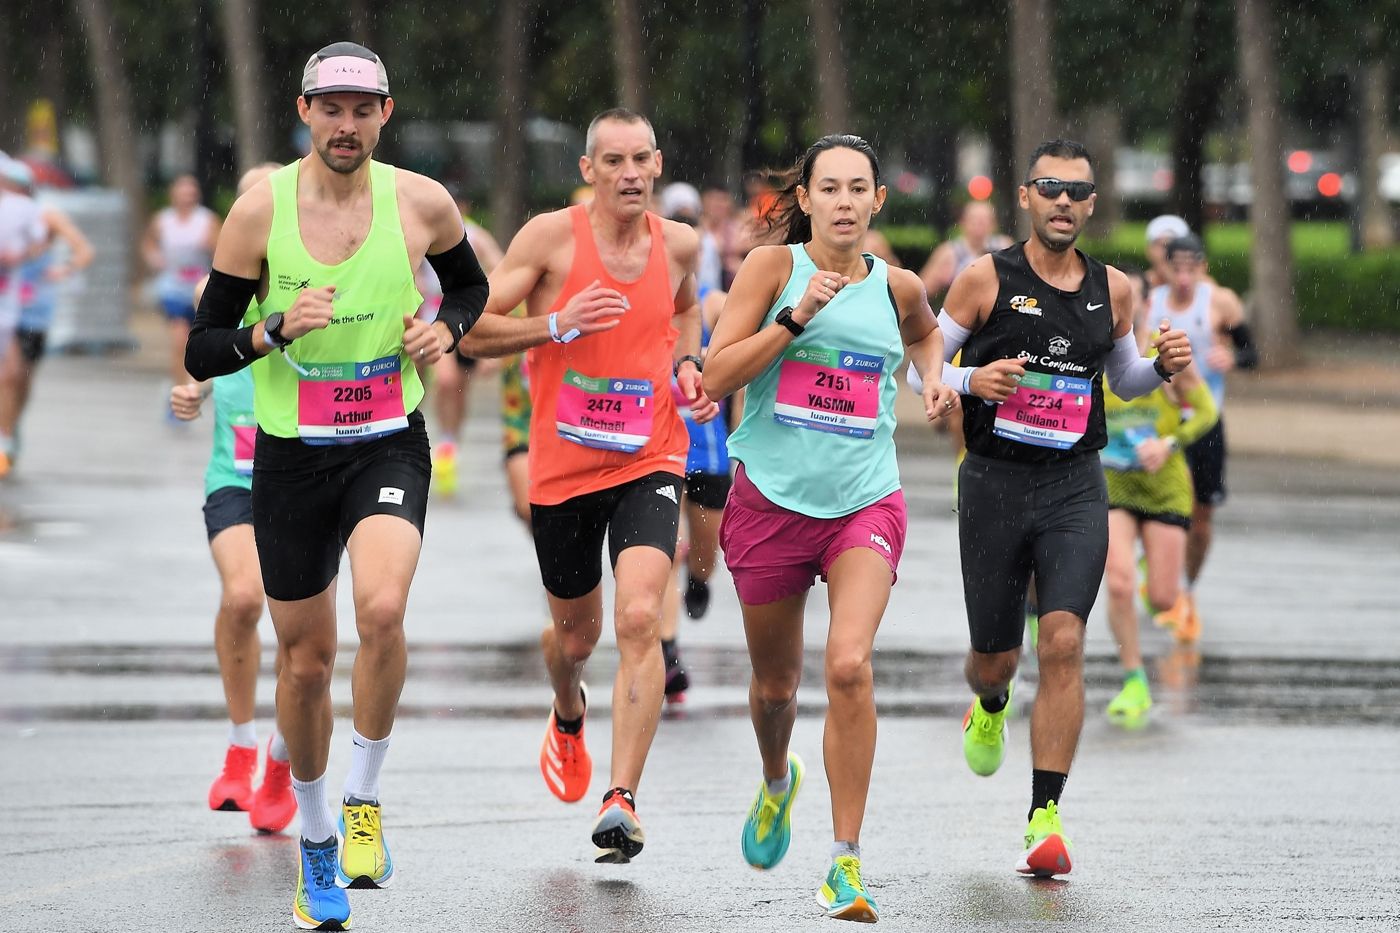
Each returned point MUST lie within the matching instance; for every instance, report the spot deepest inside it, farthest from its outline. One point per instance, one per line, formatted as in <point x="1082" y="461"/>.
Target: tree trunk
<point x="11" y="99"/>
<point x="1103" y="133"/>
<point x="361" y="25"/>
<point x="1195" y="105"/>
<point x="1033" y="112"/>
<point x="1275" y="318"/>
<point x="1377" y="226"/>
<point x="832" y="77"/>
<point x="754" y="105"/>
<point x="116" y="120"/>
<point x="512" y="152"/>
<point x="245" y="70"/>
<point x="629" y="55"/>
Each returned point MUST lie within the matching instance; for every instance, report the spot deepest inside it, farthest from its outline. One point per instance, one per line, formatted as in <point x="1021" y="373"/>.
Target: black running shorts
<point x="1206" y="458"/>
<point x="569" y="536"/>
<point x="226" y="507"/>
<point x="708" y="490"/>
<point x="1015" y="519"/>
<point x="308" y="499"/>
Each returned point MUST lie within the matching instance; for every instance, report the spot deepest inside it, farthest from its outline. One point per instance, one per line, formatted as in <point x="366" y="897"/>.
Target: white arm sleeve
<point x="1130" y="374"/>
<point x="958" y="377"/>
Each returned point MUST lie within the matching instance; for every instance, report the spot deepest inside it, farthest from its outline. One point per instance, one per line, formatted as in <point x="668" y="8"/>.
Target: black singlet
<point x="1065" y="337"/>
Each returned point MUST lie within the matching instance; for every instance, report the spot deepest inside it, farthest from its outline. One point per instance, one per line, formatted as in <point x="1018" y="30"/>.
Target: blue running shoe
<point x="320" y="904"/>
<point x="768" y="830"/>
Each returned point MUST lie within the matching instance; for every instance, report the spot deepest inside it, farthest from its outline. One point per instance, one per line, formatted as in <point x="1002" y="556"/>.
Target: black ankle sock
<point x="670" y="652"/>
<point x="625" y="794"/>
<point x="997" y="703"/>
<point x="568" y="726"/>
<point x="1045" y="787"/>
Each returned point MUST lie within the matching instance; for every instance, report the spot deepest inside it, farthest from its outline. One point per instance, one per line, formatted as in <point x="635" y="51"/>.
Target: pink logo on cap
<point x="348" y="70"/>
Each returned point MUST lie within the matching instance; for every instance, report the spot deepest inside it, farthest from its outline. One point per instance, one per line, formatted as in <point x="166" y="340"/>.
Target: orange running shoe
<point x="233" y="789"/>
<point x="1174" y="618"/>
<point x="617" y="832"/>
<point x="274" y="804"/>
<point x="1189" y="631"/>
<point x="564" y="760"/>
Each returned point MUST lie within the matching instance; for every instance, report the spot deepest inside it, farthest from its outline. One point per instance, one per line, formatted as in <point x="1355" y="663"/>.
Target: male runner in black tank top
<point x="1038" y="325"/>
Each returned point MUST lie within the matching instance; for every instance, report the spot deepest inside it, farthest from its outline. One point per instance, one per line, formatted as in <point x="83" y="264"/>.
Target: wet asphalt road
<point x="1259" y="796"/>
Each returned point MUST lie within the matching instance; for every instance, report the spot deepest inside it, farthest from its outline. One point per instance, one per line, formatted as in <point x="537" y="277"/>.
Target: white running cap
<point x="1167" y="227"/>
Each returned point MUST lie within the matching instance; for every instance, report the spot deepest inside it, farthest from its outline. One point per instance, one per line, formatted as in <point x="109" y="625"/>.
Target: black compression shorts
<point x="1017" y="518"/>
<point x="1206" y="458"/>
<point x="308" y="499"/>
<point x="569" y="536"/>
<point x="708" y="490"/>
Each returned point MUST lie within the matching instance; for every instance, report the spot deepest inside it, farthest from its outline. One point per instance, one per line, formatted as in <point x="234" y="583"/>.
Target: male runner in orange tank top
<point x="613" y="313"/>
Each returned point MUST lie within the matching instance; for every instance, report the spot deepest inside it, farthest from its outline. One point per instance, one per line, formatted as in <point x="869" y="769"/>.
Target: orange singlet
<point x="603" y="413"/>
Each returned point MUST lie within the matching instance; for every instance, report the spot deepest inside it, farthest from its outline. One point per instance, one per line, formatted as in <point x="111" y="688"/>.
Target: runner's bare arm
<point x="1227" y="315"/>
<point x="217" y="344"/>
<point x="1120" y="298"/>
<point x="971" y="296"/>
<point x="517" y="277"/>
<point x="739" y="350"/>
<point x="150" y="247"/>
<point x="924" y="342"/>
<point x="80" y="252"/>
<point x="464" y="284"/>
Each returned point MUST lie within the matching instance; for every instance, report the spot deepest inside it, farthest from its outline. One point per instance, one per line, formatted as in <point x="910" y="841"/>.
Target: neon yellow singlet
<point x="351" y="381"/>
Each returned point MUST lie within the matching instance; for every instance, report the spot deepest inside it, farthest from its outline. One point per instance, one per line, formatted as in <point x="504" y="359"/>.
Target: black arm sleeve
<point x="464" y="288"/>
<point x="217" y="345"/>
<point x="1246" y="354"/>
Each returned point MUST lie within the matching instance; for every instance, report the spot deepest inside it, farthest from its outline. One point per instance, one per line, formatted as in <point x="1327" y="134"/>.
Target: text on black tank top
<point x="1064" y="338"/>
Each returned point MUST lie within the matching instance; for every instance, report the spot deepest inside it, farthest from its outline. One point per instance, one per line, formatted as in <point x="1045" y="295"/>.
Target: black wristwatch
<point x="699" y="364"/>
<point x="272" y="327"/>
<point x="785" y="318"/>
<point x="1161" y="370"/>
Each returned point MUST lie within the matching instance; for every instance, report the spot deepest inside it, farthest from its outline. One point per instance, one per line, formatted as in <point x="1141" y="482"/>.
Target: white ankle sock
<point x="243" y="733"/>
<point x="366" y="758"/>
<point x="780" y="786"/>
<point x="277" y="748"/>
<point x="317" y="820"/>
<point x="839" y="848"/>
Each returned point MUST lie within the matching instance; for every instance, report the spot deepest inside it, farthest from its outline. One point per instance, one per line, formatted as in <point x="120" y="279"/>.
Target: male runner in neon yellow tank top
<point x="328" y="246"/>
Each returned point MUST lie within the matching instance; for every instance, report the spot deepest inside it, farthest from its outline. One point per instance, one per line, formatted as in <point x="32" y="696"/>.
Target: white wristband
<point x="554" y="330"/>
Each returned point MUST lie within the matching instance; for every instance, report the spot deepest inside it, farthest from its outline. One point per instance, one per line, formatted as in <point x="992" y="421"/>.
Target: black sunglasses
<point x="1052" y="188"/>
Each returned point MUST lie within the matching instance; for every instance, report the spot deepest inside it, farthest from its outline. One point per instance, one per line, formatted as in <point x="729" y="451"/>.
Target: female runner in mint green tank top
<point x="815" y="330"/>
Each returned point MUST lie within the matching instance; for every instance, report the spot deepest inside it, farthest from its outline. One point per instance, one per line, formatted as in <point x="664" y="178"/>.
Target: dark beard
<point x="343" y="168"/>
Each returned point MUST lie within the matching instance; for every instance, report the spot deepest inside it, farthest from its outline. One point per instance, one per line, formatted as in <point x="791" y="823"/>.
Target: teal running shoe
<point x="768" y="830"/>
<point x="843" y="896"/>
<point x="320" y="904"/>
<point x="984" y="736"/>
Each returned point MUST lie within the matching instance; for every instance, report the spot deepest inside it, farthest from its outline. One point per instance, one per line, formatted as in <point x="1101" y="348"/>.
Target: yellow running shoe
<point x="1130" y="706"/>
<point x="364" y="859"/>
<point x="445" y="469"/>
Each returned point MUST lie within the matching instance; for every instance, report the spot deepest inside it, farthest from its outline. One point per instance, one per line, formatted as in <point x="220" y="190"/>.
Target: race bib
<point x="1120" y="453"/>
<point x="1046" y="411"/>
<point x="190" y="274"/>
<point x="245" y="435"/>
<point x="836" y="391"/>
<point x="345" y="403"/>
<point x="606" y="414"/>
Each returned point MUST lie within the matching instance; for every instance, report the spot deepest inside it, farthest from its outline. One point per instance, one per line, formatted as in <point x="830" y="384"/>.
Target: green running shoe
<point x="843" y="896"/>
<point x="984" y="737"/>
<point x="1132" y="702"/>
<point x="1047" y="846"/>
<point x="768" y="830"/>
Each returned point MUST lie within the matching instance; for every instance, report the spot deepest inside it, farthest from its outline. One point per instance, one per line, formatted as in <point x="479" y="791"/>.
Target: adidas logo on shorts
<point x="668" y="492"/>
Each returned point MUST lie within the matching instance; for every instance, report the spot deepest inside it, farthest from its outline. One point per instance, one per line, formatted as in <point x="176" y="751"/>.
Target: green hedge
<point x="1336" y="290"/>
